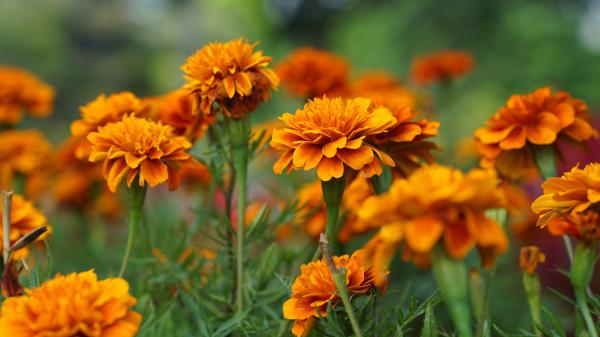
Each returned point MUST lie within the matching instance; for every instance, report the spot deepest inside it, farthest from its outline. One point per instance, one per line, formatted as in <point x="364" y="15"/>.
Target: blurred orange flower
<point x="574" y="193"/>
<point x="529" y="258"/>
<point x="140" y="148"/>
<point x="315" y="289"/>
<point x="383" y="89"/>
<point x="22" y="153"/>
<point x="308" y="72"/>
<point x="176" y="109"/>
<point x="99" y="112"/>
<point x="85" y="306"/>
<point x="538" y="118"/>
<point x="24" y="218"/>
<point x="20" y="90"/>
<point x="441" y="66"/>
<point x="437" y="204"/>
<point x="230" y="73"/>
<point x="584" y="227"/>
<point x="329" y="134"/>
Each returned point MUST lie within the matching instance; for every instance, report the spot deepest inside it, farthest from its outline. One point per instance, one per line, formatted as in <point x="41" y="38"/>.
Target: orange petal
<point x="330" y="168"/>
<point x="229" y="85"/>
<point x="356" y="159"/>
<point x="457" y="240"/>
<point x="330" y="149"/>
<point x="154" y="172"/>
<point x="307" y="155"/>
<point x="423" y="233"/>
<point x="116" y="171"/>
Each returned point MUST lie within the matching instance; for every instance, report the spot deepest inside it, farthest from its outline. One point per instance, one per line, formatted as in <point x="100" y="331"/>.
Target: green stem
<point x="582" y="270"/>
<point x="137" y="195"/>
<point x="381" y="183"/>
<point x="531" y="284"/>
<point x="238" y="133"/>
<point x="340" y="282"/>
<point x="333" y="191"/>
<point x="451" y="277"/>
<point x="545" y="160"/>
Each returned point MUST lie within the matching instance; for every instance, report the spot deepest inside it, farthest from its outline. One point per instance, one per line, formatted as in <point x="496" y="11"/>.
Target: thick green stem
<point x="451" y="277"/>
<point x="333" y="191"/>
<point x="136" y="198"/>
<point x="545" y="159"/>
<point x="582" y="270"/>
<point x="531" y="284"/>
<point x="238" y="134"/>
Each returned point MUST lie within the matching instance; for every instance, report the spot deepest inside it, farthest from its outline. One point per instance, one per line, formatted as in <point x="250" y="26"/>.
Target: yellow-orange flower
<point x="24" y="218"/>
<point x="230" y="73"/>
<point x="136" y="147"/>
<point x="574" y="193"/>
<point x="72" y="305"/>
<point x="315" y="289"/>
<point x="19" y="91"/>
<point x="382" y="86"/>
<point x="438" y="205"/>
<point x="584" y="227"/>
<point x="308" y="72"/>
<point x="101" y="111"/>
<point x="539" y="118"/>
<point x="330" y="134"/>
<point x="23" y="153"/>
<point x="177" y="110"/>
<point x="441" y="66"/>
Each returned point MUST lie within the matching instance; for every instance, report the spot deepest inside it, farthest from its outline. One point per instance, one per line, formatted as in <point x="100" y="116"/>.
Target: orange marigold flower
<point x="20" y="90"/>
<point x="329" y="134"/>
<point x="574" y="193"/>
<point x="539" y="118"/>
<point x="230" y="73"/>
<point x="101" y="111"/>
<point x="177" y="110"/>
<point x="24" y="218"/>
<point x="85" y="306"/>
<point x="437" y="204"/>
<point x="136" y="147"/>
<point x="441" y="66"/>
<point x="529" y="258"/>
<point x="315" y="289"/>
<point x="382" y="86"/>
<point x="308" y="72"/>
<point x="24" y="153"/>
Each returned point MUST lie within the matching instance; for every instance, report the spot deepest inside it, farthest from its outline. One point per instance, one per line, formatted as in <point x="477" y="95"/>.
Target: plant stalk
<point x="333" y="191"/>
<point x="239" y="130"/>
<point x="136" y="198"/>
<point x="582" y="270"/>
<point x="339" y="278"/>
<point x="6" y="212"/>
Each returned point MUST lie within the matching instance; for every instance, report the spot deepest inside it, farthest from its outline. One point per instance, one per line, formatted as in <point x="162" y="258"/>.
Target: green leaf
<point x="429" y="323"/>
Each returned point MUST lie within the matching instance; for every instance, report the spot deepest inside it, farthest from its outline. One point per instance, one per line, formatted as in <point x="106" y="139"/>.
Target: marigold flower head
<point x="315" y="289"/>
<point x="529" y="258"/>
<point x="177" y="110"/>
<point x="101" y="111"/>
<point x="437" y="204"/>
<point x="136" y="147"/>
<point x="539" y="118"/>
<point x="584" y="227"/>
<point x="24" y="218"/>
<point x="23" y="152"/>
<point x="441" y="66"/>
<point x="308" y="72"/>
<point x="20" y="91"/>
<point x="230" y="73"/>
<point x="330" y="134"/>
<point x="574" y="193"/>
<point x="73" y="305"/>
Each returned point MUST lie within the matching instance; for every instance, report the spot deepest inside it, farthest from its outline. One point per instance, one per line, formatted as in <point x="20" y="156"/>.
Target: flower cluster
<point x="232" y="74"/>
<point x="22" y="91"/>
<point x="507" y="141"/>
<point x="315" y="289"/>
<point x="72" y="305"/>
